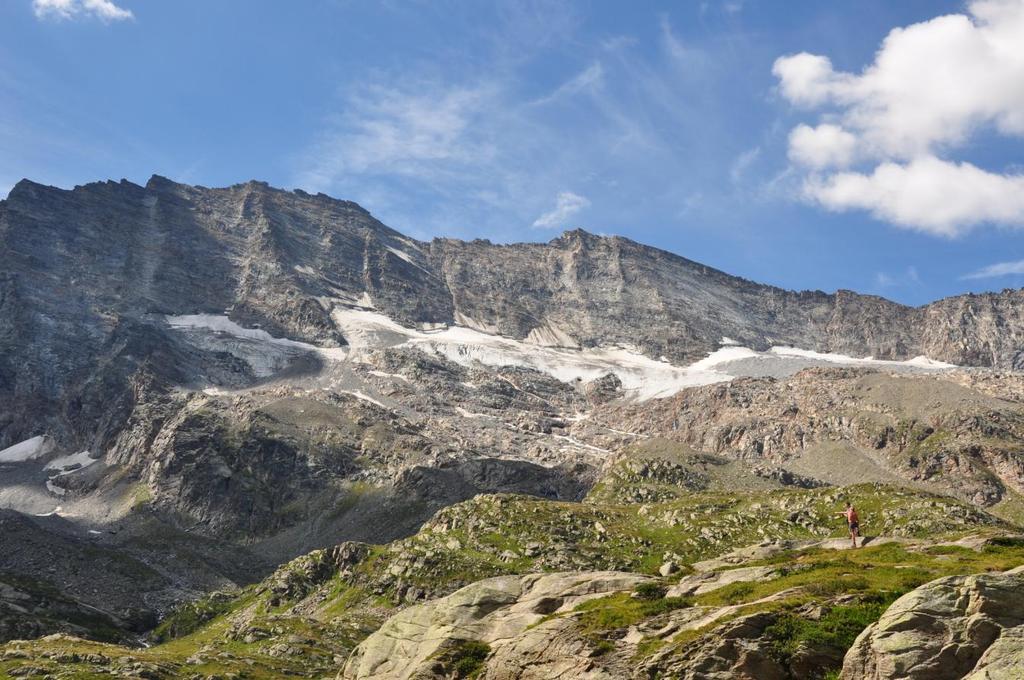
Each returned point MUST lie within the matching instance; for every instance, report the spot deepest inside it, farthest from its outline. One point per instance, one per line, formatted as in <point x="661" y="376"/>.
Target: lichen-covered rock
<point x="735" y="650"/>
<point x="495" y="611"/>
<point x="954" y="627"/>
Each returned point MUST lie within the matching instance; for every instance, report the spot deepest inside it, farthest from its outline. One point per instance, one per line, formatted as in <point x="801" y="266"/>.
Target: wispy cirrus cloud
<point x="742" y="164"/>
<point x="567" y="205"/>
<point x="104" y="10"/>
<point x="932" y="87"/>
<point x="413" y="129"/>
<point x="909" y="276"/>
<point x="586" y="80"/>
<point x="483" y="151"/>
<point x="996" y="270"/>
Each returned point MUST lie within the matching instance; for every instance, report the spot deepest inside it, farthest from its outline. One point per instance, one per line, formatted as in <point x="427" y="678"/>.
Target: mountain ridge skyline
<point x="827" y="290"/>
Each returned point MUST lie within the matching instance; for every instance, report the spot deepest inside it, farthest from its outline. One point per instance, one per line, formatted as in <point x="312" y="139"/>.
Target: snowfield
<point x="30" y="449"/>
<point x="641" y="376"/>
<point x="265" y="354"/>
<point x="547" y="349"/>
<point x="918" y="361"/>
<point x="550" y="351"/>
<point x="75" y="461"/>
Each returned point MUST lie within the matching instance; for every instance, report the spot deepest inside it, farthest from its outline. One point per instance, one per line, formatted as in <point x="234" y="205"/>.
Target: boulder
<point x="704" y="582"/>
<point x="736" y="650"/>
<point x="954" y="627"/>
<point x="668" y="568"/>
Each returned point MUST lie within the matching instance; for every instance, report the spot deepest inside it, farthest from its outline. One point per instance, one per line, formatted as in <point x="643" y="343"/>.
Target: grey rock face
<point x="87" y="275"/>
<point x="86" y="272"/>
<point x="499" y="612"/>
<point x="955" y="627"/>
<point x="83" y="269"/>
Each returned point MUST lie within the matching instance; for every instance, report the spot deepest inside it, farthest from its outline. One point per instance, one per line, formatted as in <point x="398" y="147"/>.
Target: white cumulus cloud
<point x="931" y="87"/>
<point x="805" y="79"/>
<point x="926" y="194"/>
<point x="822" y="146"/>
<point x="105" y="10"/>
<point x="567" y="204"/>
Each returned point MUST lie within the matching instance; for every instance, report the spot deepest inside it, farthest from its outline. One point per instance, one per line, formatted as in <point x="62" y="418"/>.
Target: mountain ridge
<point x="77" y="316"/>
<point x="157" y="179"/>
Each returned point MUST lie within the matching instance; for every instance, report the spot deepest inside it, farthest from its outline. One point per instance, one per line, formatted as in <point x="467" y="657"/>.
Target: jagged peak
<point x="577" y="234"/>
<point x="155" y="180"/>
<point x="29" y="188"/>
<point x="25" y="186"/>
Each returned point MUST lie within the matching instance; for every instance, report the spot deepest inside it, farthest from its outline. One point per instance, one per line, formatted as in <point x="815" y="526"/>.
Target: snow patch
<point x="365" y="330"/>
<point x="75" y="461"/>
<point x="469" y="322"/>
<point x="727" y="341"/>
<point x="641" y="376"/>
<point x="624" y="432"/>
<point x="30" y="449"/>
<point x="722" y="356"/>
<point x="577" y="442"/>
<point x="365" y="397"/>
<point x="264" y="353"/>
<point x="396" y="376"/>
<point x="550" y="335"/>
<point x="924" y="362"/>
<point x="222" y="324"/>
<point x="54" y="489"/>
<point x="918" y="361"/>
<point x="402" y="255"/>
<point x="409" y="242"/>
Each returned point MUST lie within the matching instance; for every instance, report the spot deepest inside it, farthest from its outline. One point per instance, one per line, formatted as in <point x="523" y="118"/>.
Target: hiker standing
<point x="852" y="521"/>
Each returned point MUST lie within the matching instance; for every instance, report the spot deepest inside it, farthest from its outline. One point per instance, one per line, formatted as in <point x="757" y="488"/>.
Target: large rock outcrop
<point x="956" y="627"/>
<point x="497" y="612"/>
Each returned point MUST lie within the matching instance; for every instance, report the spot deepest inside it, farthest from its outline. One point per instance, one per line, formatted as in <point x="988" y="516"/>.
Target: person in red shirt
<point x="852" y="521"/>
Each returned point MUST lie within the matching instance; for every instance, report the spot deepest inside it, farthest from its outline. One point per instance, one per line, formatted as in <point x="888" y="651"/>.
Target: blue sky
<point x="711" y="129"/>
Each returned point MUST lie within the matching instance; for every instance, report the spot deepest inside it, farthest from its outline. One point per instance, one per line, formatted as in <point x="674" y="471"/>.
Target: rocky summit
<point x="253" y="433"/>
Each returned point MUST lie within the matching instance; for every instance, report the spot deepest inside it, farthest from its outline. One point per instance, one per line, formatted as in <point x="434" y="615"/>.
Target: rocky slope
<point x="841" y="424"/>
<point x="786" y="607"/>
<point x="494" y="613"/>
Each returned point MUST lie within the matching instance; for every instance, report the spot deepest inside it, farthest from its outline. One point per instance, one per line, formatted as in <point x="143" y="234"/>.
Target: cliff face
<point x="602" y="290"/>
<point x="87" y="275"/>
<point x="80" y="268"/>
